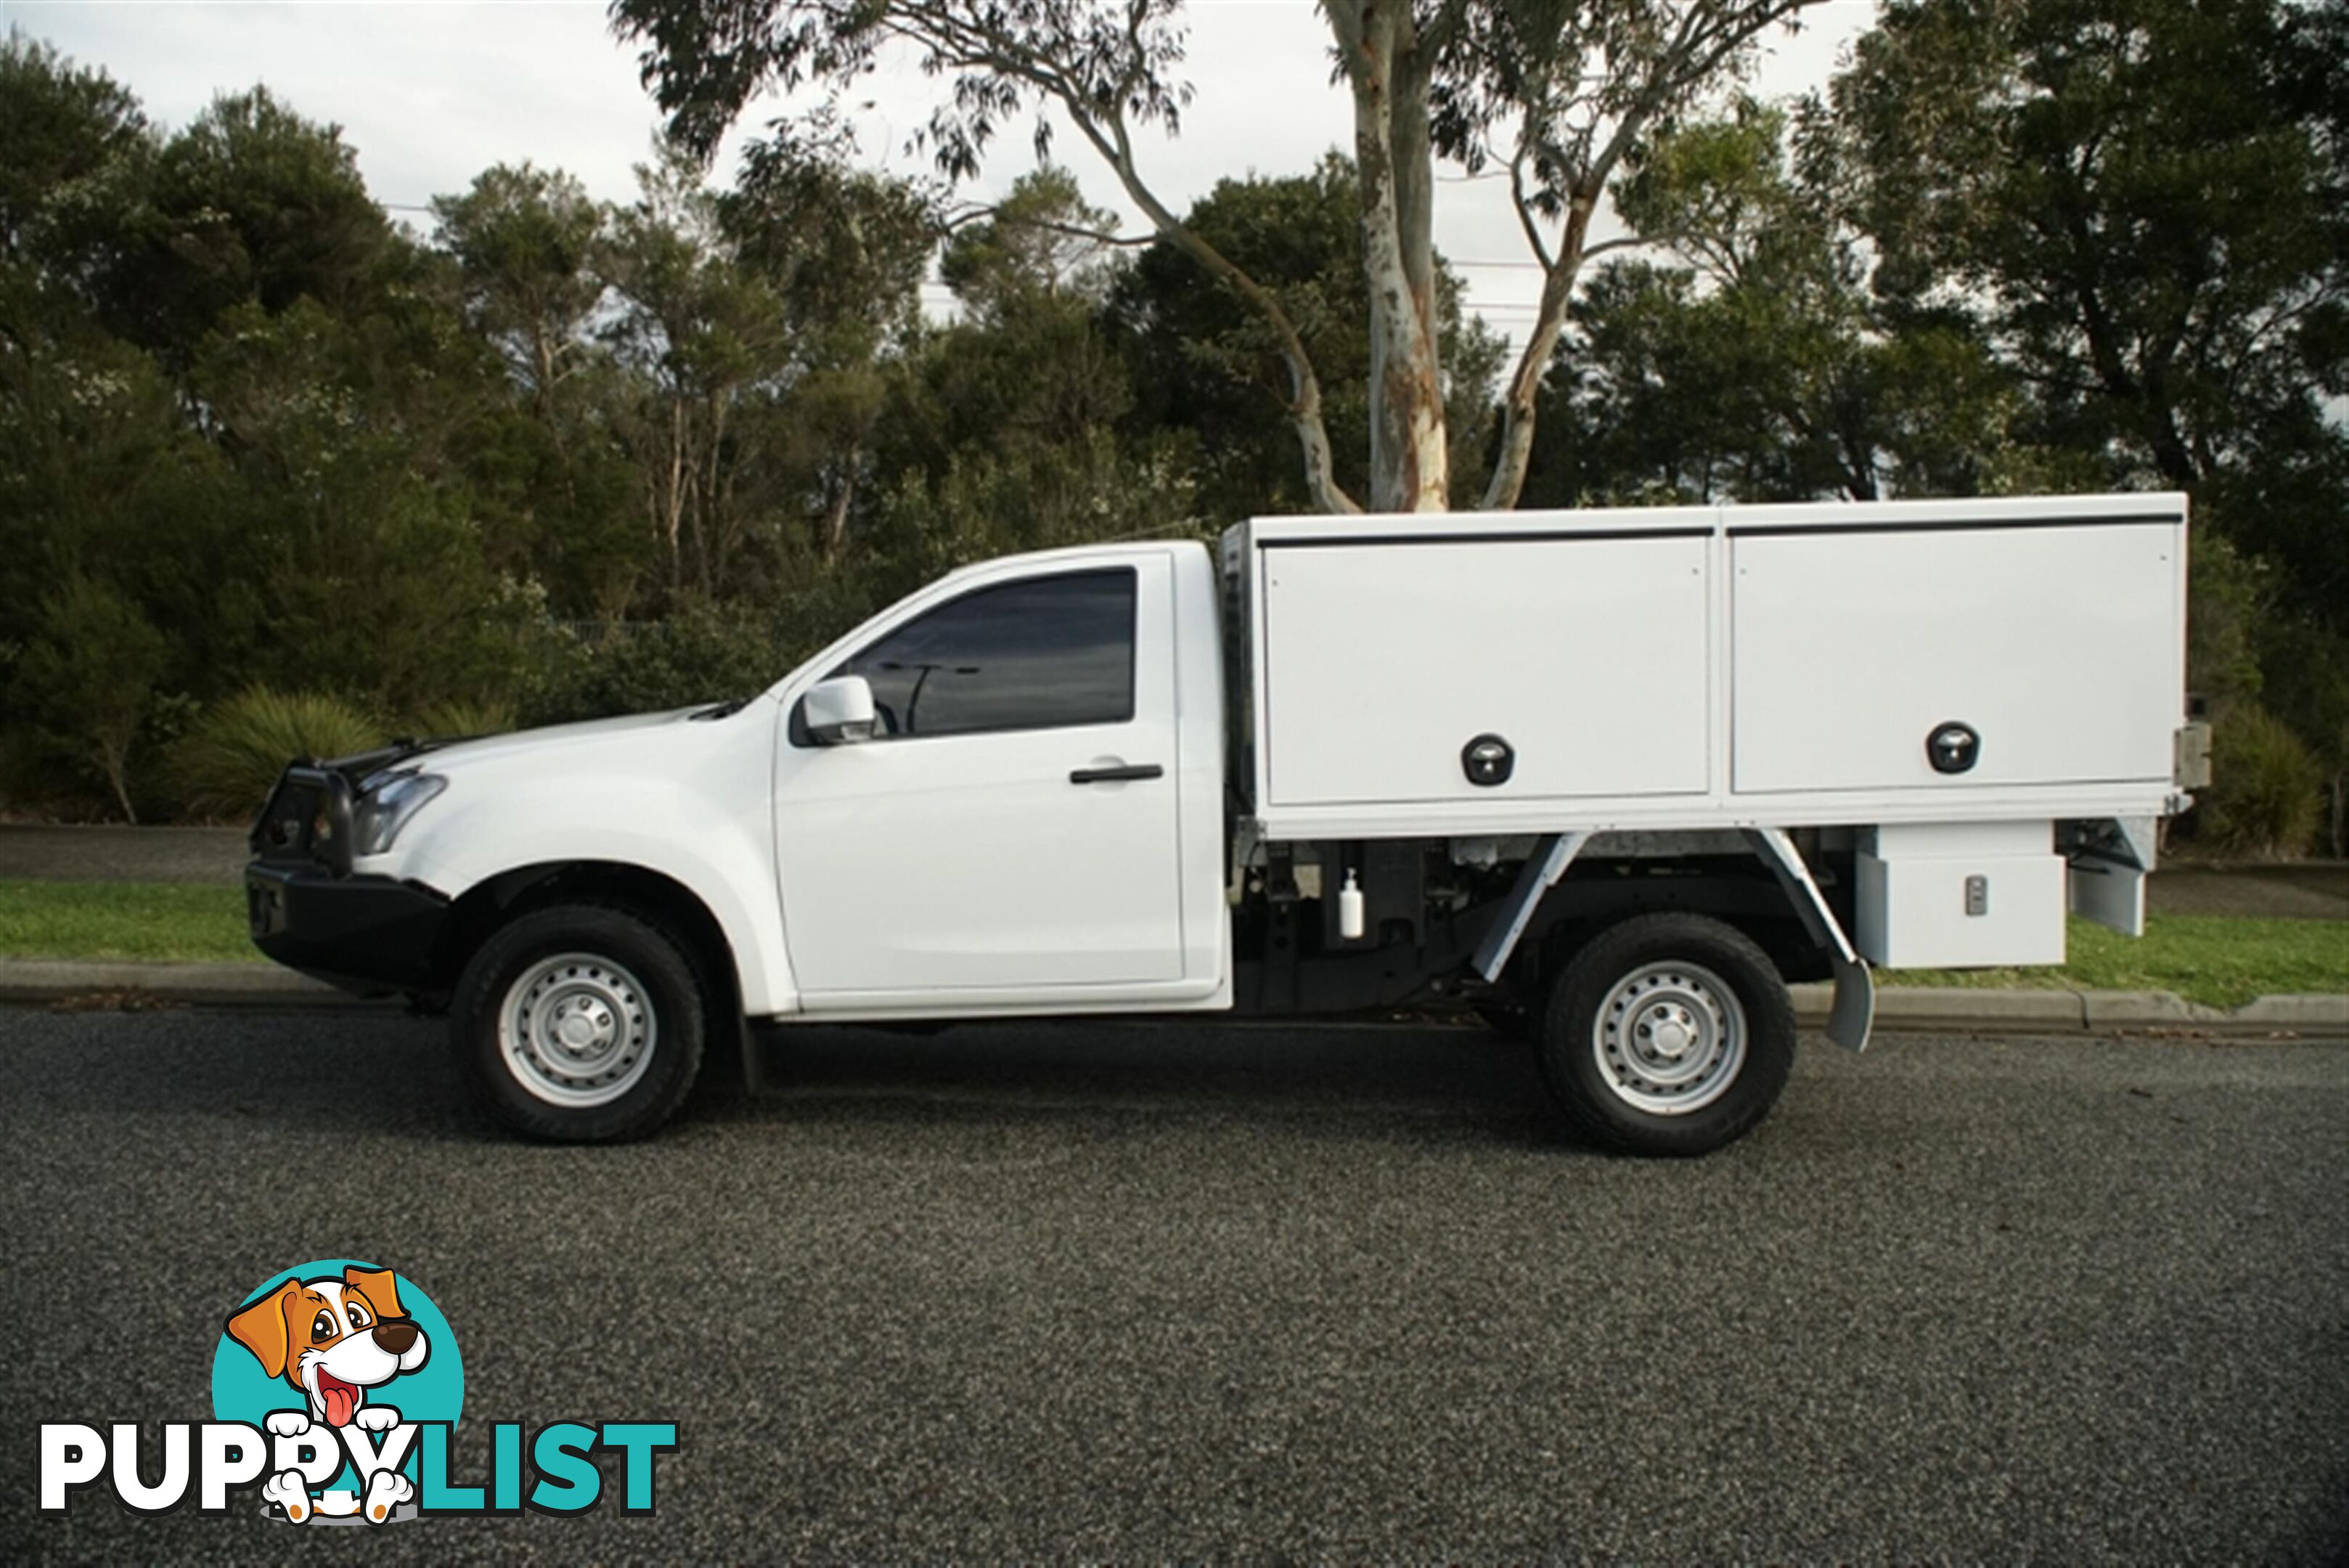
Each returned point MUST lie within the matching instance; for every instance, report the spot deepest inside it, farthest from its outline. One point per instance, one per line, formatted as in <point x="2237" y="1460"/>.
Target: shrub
<point x="2305" y="667"/>
<point x="2229" y="602"/>
<point x="2263" y="797"/>
<point x="88" y="680"/>
<point x="230" y="756"/>
<point x="705" y="653"/>
<point x="459" y="718"/>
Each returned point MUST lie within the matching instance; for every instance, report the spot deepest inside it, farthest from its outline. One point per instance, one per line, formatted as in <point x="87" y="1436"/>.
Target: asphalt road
<point x="1212" y="1292"/>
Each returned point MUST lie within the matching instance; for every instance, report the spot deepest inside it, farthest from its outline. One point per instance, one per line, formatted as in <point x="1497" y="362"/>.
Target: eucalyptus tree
<point x="754" y="320"/>
<point x="1747" y="357"/>
<point x="68" y="130"/>
<point x="1205" y="362"/>
<point x="2147" y="200"/>
<point x="529" y="244"/>
<point x="250" y="202"/>
<point x="1555" y="94"/>
<point x="1043" y="240"/>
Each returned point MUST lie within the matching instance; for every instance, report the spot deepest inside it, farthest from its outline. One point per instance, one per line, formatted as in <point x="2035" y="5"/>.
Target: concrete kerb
<point x="1913" y="1008"/>
<point x="1930" y="1008"/>
<point x="136" y="982"/>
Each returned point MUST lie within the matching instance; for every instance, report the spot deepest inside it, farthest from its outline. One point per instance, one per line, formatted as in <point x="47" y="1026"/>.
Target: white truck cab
<point x="1607" y="778"/>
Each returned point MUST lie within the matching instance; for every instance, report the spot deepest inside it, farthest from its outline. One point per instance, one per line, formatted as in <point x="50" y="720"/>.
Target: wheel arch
<point x="1770" y="895"/>
<point x="1747" y="899"/>
<point x="496" y="900"/>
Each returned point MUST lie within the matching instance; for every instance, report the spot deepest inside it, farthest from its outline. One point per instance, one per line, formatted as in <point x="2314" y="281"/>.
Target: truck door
<point x="1010" y="835"/>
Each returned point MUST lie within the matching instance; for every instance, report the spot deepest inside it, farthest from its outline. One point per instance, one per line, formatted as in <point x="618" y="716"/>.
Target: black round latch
<point x="1952" y="748"/>
<point x="1488" y="760"/>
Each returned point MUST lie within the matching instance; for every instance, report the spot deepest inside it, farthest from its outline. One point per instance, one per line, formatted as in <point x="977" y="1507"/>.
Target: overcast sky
<point x="430" y="93"/>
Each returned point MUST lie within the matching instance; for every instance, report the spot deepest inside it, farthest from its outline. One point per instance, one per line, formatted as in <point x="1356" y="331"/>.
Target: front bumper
<point x="369" y="935"/>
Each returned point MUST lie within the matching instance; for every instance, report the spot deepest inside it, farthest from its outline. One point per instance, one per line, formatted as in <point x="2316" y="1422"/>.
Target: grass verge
<point x="123" y="921"/>
<point x="2221" y="961"/>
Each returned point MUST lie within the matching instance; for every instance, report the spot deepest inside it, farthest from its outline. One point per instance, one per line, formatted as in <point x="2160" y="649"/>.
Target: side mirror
<point x="839" y="710"/>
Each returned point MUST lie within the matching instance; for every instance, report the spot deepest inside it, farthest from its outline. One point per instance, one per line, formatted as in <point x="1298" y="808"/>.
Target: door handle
<point x="1117" y="775"/>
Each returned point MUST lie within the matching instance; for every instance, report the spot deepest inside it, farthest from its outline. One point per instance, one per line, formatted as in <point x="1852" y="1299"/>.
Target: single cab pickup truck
<point x="1608" y="779"/>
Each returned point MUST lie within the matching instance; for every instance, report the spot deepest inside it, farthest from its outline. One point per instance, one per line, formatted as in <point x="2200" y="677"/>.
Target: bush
<point x="87" y="681"/>
<point x="2229" y="601"/>
<point x="460" y="719"/>
<point x="705" y="653"/>
<point x="230" y="756"/>
<point x="2305" y="668"/>
<point x="2263" y="798"/>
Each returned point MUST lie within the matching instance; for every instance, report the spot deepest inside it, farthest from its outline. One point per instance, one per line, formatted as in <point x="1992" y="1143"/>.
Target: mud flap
<point x="754" y="1067"/>
<point x="1853" y="1012"/>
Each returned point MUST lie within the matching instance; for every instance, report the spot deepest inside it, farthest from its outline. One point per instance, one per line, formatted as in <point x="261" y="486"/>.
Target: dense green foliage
<point x="2262" y="798"/>
<point x="230" y="756"/>
<point x="2021" y="245"/>
<point x="550" y="457"/>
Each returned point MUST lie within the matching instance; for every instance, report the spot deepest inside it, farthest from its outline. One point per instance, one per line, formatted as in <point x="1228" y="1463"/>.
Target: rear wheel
<point x="1668" y="1033"/>
<point x="581" y="1022"/>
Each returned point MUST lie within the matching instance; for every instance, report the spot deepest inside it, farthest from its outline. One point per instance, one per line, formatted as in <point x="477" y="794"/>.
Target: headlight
<point x="385" y="809"/>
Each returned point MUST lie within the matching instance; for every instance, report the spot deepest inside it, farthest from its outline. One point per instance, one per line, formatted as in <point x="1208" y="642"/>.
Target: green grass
<point x="123" y="921"/>
<point x="2223" y="960"/>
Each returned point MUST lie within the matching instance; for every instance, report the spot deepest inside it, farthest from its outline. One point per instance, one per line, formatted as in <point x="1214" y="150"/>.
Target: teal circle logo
<point x="343" y="1343"/>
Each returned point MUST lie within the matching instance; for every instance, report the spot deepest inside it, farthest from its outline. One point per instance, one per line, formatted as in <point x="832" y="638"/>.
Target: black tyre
<point x="1668" y="1034"/>
<point x="581" y="1022"/>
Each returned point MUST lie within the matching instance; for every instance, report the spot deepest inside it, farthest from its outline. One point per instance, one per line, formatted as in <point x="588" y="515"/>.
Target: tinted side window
<point x="1034" y="655"/>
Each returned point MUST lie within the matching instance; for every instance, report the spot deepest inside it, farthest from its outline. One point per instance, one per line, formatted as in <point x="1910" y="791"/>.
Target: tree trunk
<point x="835" y="517"/>
<point x="2156" y="420"/>
<point x="716" y="511"/>
<point x="1409" y="457"/>
<point x="544" y="350"/>
<point x="1518" y="403"/>
<point x="673" y="520"/>
<point x="117" y="763"/>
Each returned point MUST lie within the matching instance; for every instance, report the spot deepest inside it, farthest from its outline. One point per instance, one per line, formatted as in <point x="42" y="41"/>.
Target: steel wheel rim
<point x="1669" y="1038"/>
<point x="576" y="1030"/>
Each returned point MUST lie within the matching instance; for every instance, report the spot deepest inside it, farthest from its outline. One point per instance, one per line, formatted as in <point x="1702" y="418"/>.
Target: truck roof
<point x="1072" y="553"/>
<point x="2007" y="510"/>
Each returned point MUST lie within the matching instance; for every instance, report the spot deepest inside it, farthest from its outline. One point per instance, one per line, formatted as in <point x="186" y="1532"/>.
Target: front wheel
<point x="1669" y="1033"/>
<point x="580" y="1022"/>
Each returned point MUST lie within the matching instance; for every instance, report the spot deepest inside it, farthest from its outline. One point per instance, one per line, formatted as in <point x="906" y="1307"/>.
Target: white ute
<point x="1609" y="779"/>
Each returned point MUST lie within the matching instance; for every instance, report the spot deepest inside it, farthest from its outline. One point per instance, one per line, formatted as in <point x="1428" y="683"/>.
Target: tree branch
<point x="1621" y="242"/>
<point x="1522" y="206"/>
<point x="1304" y="402"/>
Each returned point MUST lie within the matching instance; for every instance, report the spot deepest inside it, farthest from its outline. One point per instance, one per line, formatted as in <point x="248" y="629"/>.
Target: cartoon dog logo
<point x="334" y="1340"/>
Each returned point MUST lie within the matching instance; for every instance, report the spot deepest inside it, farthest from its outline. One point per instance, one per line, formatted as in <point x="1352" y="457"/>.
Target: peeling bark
<point x="1409" y="458"/>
